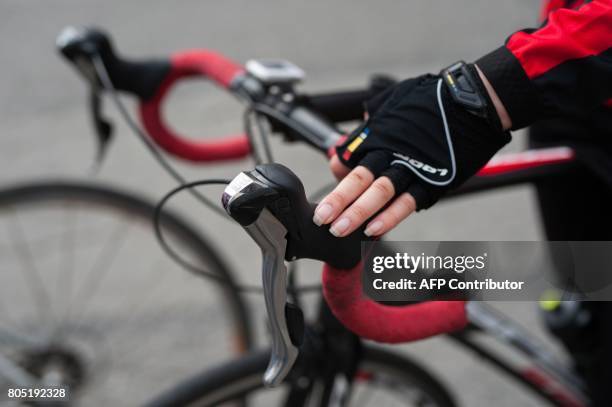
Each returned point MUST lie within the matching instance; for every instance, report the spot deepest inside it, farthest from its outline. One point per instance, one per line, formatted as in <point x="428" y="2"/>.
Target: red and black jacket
<point x="563" y="68"/>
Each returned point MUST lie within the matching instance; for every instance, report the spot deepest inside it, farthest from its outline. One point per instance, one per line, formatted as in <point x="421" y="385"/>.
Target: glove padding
<point x="421" y="140"/>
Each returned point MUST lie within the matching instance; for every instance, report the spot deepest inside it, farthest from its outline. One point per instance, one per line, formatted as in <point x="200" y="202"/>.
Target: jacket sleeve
<point x="563" y="68"/>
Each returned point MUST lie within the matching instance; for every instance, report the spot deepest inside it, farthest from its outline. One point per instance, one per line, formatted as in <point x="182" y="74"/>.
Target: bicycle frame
<point x="546" y="377"/>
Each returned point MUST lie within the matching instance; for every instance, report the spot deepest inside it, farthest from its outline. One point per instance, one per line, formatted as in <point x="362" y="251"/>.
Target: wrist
<point x="519" y="96"/>
<point x="502" y="113"/>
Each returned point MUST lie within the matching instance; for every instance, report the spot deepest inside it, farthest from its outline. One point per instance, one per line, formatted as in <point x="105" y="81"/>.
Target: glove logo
<point x="418" y="165"/>
<point x="425" y="171"/>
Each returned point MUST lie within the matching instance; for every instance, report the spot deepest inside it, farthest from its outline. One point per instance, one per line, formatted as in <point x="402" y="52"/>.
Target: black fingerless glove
<point x="424" y="141"/>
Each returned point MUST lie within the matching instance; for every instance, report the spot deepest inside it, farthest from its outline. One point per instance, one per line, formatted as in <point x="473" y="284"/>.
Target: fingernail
<point x="321" y="214"/>
<point x="340" y="227"/>
<point x="373" y="228"/>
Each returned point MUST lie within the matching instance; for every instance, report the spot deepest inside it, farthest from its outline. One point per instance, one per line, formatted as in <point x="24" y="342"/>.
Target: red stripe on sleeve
<point x="568" y="34"/>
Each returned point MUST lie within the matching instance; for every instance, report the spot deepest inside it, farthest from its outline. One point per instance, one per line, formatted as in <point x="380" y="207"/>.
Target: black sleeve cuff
<point x="516" y="91"/>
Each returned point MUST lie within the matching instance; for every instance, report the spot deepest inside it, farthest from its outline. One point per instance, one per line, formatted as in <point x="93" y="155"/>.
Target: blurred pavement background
<point x="45" y="131"/>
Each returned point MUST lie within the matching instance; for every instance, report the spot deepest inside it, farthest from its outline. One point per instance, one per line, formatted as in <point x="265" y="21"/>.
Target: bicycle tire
<point x="236" y="380"/>
<point x="96" y="196"/>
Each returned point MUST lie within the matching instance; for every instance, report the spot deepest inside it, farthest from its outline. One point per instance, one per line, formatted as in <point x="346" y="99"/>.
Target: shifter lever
<point x="270" y="203"/>
<point x="245" y="199"/>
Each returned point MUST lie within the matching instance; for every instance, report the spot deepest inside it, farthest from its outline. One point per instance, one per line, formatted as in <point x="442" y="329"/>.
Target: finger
<point x="401" y="177"/>
<point x="337" y="168"/>
<point x="402" y="207"/>
<point x="351" y="186"/>
<point x="371" y="201"/>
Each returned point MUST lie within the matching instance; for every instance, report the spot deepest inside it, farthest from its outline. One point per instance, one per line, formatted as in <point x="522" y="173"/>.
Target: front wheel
<point x="383" y="379"/>
<point x="88" y="300"/>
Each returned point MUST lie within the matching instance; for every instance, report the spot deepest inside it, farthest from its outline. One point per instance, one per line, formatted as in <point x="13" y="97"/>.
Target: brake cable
<point x="157" y="215"/>
<point x="107" y="84"/>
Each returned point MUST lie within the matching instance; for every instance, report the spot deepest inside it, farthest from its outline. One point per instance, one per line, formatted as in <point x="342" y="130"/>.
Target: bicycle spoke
<point x="137" y="305"/>
<point x="31" y="274"/>
<point x="8" y="319"/>
<point x="12" y="336"/>
<point x="67" y="261"/>
<point x="10" y="330"/>
<point x="102" y="265"/>
<point x="125" y="343"/>
<point x="15" y="374"/>
<point x="47" y="243"/>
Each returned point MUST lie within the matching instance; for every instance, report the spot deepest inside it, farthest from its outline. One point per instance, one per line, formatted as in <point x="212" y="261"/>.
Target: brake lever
<point x="245" y="199"/>
<point x="79" y="46"/>
<point x="269" y="234"/>
<point x="102" y="126"/>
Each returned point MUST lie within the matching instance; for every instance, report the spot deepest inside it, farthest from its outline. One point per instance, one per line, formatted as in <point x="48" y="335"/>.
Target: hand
<point x="415" y="147"/>
<point x="368" y="196"/>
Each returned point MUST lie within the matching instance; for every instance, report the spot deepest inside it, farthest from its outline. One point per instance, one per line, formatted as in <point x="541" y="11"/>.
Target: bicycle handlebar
<point x="270" y="203"/>
<point x="188" y="64"/>
<point x="308" y="118"/>
<point x="369" y="319"/>
<point x="150" y="81"/>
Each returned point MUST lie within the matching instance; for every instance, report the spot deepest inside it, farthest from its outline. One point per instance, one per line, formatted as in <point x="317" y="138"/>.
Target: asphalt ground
<point x="45" y="133"/>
